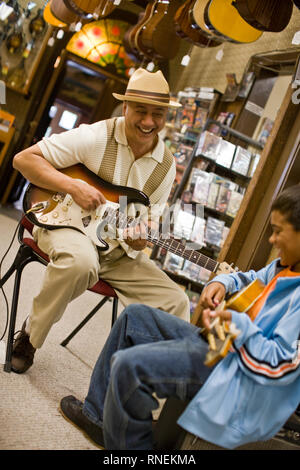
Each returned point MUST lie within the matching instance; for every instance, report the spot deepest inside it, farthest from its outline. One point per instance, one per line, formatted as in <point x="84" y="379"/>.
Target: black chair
<point x="28" y="252"/>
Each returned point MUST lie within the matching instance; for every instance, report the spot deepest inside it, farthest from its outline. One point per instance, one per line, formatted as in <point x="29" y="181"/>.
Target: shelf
<point x="234" y="133"/>
<point x="224" y="168"/>
<point x="189" y="283"/>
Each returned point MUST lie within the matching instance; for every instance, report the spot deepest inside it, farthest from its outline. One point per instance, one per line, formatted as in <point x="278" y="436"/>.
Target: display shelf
<point x="242" y="137"/>
<point x="227" y="171"/>
<point x="189" y="283"/>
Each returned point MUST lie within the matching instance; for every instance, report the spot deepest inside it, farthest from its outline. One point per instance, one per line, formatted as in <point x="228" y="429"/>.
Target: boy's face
<point x="286" y="239"/>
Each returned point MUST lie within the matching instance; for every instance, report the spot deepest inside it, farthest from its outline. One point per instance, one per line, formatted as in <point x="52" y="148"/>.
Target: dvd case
<point x="234" y="203"/>
<point x="225" y="153"/>
<point x="241" y="161"/>
<point x="201" y="188"/>
<point x="213" y="231"/>
<point x="208" y="145"/>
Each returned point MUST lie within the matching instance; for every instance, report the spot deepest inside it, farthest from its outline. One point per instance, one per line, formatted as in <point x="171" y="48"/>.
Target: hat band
<point x="163" y="97"/>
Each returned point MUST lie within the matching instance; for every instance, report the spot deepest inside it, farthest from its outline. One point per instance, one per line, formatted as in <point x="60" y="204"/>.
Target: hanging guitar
<point x="222" y="17"/>
<point x="265" y="15"/>
<point x="37" y="24"/>
<point x="297" y="3"/>
<point x="159" y="37"/>
<point x="53" y="210"/>
<point x="196" y="19"/>
<point x="186" y="30"/>
<point x="131" y="40"/>
<point x="222" y="334"/>
<point x="84" y="8"/>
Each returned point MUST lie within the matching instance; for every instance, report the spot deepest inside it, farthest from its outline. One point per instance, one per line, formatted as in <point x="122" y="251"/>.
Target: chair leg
<point x="12" y="321"/>
<point x="24" y="256"/>
<point x="86" y="319"/>
<point x="114" y="311"/>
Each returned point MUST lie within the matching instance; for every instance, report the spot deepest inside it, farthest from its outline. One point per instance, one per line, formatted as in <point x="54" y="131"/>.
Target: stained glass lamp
<point x="100" y="42"/>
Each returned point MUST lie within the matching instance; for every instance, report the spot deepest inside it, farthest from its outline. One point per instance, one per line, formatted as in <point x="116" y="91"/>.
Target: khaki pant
<point x="75" y="266"/>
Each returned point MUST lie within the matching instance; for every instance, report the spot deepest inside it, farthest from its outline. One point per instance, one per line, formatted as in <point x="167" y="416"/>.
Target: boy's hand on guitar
<point x="136" y="236"/>
<point x="208" y="316"/>
<point x="86" y="196"/>
<point x="212" y="295"/>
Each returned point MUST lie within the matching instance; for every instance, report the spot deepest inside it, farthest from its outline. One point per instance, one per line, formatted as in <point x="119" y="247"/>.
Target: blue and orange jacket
<point x="253" y="391"/>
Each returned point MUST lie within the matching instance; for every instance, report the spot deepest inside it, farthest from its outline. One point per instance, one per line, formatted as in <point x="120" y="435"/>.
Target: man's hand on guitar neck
<point x="136" y="236"/>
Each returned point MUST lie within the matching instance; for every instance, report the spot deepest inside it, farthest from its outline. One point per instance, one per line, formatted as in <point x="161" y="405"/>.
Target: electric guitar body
<point x="53" y="210"/>
<point x="223" y="17"/>
<point x="62" y="212"/>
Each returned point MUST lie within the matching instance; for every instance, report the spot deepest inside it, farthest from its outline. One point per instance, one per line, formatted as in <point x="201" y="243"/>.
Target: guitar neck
<point x="169" y="244"/>
<point x="180" y="249"/>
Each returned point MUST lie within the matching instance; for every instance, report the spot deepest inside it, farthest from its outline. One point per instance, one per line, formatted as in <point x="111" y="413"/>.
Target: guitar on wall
<point x="265" y="15"/>
<point x="221" y="17"/>
<point x="53" y="210"/>
<point x="187" y="30"/>
<point x="158" y="37"/>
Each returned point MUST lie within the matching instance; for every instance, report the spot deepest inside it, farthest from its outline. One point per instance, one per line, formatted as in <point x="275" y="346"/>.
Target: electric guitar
<point x="53" y="210"/>
<point x="222" y="334"/>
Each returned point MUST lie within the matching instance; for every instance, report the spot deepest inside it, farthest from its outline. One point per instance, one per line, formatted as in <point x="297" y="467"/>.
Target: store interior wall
<point x="205" y="70"/>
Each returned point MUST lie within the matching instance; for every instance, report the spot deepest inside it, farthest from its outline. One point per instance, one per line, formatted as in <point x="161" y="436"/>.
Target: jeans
<point x="148" y="351"/>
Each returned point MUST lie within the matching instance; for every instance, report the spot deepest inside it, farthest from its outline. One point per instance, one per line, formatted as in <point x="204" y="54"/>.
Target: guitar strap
<point x="108" y="164"/>
<point x="107" y="167"/>
<point x="159" y="173"/>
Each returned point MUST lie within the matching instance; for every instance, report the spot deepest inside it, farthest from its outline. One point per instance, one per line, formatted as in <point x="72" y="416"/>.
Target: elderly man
<point x="125" y="151"/>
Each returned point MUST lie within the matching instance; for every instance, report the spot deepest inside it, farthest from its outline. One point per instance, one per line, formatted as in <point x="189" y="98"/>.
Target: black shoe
<point x="71" y="409"/>
<point x="23" y="352"/>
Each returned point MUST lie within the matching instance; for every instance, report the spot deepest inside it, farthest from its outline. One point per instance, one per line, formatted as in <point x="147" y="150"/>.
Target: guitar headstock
<point x="225" y="268"/>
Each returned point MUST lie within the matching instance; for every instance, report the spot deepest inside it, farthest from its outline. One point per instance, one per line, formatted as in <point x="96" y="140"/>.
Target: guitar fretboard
<point x="115" y="217"/>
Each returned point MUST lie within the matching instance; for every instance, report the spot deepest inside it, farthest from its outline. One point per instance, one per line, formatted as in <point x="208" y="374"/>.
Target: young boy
<point x="247" y="396"/>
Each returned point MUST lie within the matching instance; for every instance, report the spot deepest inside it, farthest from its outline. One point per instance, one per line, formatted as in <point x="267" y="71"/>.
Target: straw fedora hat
<point x="148" y="87"/>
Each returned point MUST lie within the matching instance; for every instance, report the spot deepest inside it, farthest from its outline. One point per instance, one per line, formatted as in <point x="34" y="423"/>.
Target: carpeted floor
<point x="29" y="415"/>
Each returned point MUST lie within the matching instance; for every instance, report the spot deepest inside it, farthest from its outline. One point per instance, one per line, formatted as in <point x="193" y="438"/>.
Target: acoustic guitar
<point x="54" y="210"/>
<point x="158" y="36"/>
<point x="196" y="18"/>
<point x="62" y="13"/>
<point x="131" y="40"/>
<point x="186" y="29"/>
<point x="83" y="8"/>
<point x="297" y="3"/>
<point x="222" y="334"/>
<point x="265" y="15"/>
<point x="223" y="17"/>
